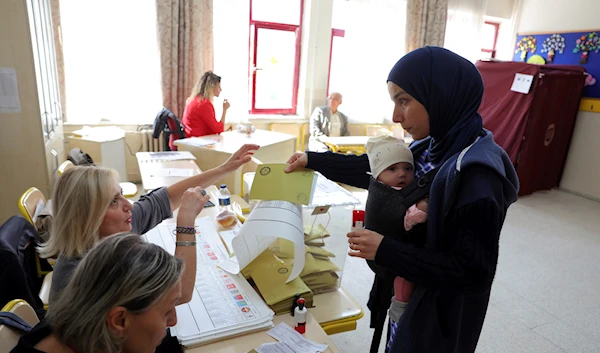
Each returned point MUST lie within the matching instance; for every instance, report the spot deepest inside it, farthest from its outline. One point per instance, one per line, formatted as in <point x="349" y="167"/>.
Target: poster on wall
<point x="567" y="48"/>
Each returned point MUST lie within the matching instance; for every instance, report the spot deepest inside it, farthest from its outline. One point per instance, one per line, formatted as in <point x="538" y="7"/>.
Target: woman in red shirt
<point x="199" y="114"/>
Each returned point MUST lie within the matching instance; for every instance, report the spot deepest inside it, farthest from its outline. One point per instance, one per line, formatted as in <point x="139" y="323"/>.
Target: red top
<point x="199" y="118"/>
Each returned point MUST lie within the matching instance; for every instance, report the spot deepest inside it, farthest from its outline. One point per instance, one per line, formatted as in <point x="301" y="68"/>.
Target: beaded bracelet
<point x="185" y="230"/>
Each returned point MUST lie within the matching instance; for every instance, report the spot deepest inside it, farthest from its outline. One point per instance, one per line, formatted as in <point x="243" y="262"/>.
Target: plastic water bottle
<point x="224" y="198"/>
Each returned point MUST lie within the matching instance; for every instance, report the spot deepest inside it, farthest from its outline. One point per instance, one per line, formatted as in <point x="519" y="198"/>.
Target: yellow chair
<point x="66" y="165"/>
<point x="292" y="129"/>
<point x="304" y="138"/>
<point x="31" y="201"/>
<point x="9" y="337"/>
<point x="377" y="130"/>
<point x="45" y="290"/>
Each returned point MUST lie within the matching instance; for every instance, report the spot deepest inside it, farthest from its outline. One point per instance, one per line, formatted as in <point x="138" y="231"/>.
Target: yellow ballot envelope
<point x="271" y="182"/>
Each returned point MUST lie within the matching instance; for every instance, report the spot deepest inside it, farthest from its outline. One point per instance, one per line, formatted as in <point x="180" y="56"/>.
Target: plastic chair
<point x="66" y="165"/>
<point x="31" y="202"/>
<point x="305" y="134"/>
<point x="9" y="337"/>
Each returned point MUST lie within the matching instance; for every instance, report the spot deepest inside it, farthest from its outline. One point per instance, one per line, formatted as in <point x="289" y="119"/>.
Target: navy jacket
<point x="468" y="202"/>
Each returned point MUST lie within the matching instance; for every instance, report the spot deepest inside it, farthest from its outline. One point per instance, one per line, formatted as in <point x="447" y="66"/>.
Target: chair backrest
<point x="376" y="130"/>
<point x="31" y="203"/>
<point x="292" y="129"/>
<point x="249" y="167"/>
<point x="397" y="131"/>
<point x="66" y="165"/>
<point x="304" y="137"/>
<point x="9" y="337"/>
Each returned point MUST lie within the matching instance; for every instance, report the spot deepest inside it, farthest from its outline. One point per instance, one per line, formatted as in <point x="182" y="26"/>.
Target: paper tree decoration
<point x="554" y="43"/>
<point x="526" y="44"/>
<point x="585" y="44"/>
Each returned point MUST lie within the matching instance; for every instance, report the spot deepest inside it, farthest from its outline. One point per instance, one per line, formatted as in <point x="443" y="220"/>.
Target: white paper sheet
<point x="173" y="172"/>
<point x="294" y="340"/>
<point x="274" y="347"/>
<point x="522" y="83"/>
<point x="268" y="221"/>
<point x="9" y="91"/>
<point x="166" y="156"/>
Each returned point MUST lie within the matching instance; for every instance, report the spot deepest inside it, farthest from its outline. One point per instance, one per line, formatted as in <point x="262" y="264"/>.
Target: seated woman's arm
<point x="209" y="177"/>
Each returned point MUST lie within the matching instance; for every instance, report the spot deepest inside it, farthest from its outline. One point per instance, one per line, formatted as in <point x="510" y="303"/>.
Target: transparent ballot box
<point x="327" y="220"/>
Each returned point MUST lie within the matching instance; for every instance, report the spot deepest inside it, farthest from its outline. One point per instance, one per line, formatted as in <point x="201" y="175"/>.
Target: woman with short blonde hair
<point x="121" y="299"/>
<point x="88" y="205"/>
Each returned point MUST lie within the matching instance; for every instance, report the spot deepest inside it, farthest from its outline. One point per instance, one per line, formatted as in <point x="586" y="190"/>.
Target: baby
<point x="392" y="164"/>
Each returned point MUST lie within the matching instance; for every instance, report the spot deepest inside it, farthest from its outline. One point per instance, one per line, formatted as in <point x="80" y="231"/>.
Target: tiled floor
<point x="545" y="297"/>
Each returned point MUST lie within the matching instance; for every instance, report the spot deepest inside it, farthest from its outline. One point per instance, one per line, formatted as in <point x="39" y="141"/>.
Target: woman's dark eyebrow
<point x="397" y="95"/>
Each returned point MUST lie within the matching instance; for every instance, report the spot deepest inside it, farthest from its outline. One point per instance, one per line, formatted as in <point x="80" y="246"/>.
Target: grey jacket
<point x="320" y="122"/>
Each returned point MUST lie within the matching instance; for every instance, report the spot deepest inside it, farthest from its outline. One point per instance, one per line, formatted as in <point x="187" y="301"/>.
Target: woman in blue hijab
<point x="470" y="182"/>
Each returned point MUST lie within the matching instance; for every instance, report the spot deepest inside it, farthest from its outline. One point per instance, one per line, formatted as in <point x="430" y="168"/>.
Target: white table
<point x="152" y="177"/>
<point x="275" y="147"/>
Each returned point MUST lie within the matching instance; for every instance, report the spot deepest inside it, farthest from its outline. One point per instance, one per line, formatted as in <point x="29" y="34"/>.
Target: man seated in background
<point x="327" y="121"/>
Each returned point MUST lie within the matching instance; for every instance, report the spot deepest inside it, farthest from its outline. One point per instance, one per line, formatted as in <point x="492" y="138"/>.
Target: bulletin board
<point x="566" y="48"/>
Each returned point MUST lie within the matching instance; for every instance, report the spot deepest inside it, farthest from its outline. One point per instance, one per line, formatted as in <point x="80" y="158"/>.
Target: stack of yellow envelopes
<point x="269" y="274"/>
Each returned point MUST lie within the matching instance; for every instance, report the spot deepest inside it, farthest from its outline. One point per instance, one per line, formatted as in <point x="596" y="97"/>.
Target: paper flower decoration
<point x="585" y="44"/>
<point x="526" y="44"/>
<point x="554" y="43"/>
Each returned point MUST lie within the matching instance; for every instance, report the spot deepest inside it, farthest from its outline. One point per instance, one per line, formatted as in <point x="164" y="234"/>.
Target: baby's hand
<point x="423" y="205"/>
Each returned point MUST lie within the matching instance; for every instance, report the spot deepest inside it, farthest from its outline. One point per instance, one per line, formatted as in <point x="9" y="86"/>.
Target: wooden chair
<point x="30" y="202"/>
<point x="9" y="337"/>
<point x="292" y="129"/>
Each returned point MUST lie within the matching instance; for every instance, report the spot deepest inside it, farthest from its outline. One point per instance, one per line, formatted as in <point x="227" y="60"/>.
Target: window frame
<point x="335" y="32"/>
<point x="252" y="56"/>
<point x="492" y="51"/>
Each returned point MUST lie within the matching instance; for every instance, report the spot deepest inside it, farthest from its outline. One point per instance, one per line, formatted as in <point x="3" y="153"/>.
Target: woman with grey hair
<point x="121" y="298"/>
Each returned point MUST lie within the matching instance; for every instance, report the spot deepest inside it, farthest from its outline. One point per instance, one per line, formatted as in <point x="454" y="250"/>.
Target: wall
<point x="21" y="140"/>
<point x="583" y="165"/>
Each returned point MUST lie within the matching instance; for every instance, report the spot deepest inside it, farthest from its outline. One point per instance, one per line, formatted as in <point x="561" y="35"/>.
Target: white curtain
<point x="463" y="27"/>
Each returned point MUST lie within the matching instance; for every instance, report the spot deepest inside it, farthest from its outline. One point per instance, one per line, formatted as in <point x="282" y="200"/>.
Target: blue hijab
<point x="450" y="88"/>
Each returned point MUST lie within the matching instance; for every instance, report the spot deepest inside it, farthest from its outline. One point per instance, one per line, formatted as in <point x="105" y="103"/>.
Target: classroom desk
<point x="275" y="147"/>
<point x="149" y="168"/>
<point x="251" y="341"/>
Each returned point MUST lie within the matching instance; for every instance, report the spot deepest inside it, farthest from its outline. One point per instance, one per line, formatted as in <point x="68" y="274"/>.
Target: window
<point x="275" y="35"/>
<point x="363" y="53"/>
<point x="112" y="66"/>
<point x="489" y="39"/>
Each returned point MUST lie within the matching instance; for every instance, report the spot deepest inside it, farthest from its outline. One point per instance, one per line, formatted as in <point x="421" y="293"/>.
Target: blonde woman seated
<point x="88" y="205"/>
<point x="121" y="298"/>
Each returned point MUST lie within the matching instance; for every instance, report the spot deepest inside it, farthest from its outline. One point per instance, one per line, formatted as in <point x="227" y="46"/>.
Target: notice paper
<point x="268" y="221"/>
<point x="9" y="91"/>
<point x="294" y="340"/>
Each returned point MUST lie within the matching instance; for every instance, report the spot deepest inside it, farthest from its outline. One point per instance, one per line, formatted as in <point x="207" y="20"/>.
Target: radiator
<point x="150" y="144"/>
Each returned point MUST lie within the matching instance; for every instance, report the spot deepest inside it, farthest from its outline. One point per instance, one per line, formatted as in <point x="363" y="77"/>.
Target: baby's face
<point x="397" y="175"/>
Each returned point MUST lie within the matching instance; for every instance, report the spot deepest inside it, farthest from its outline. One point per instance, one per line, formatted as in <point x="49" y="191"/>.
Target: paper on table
<point x="166" y="156"/>
<point x="285" y="334"/>
<point x="9" y="91"/>
<point x="274" y="347"/>
<point x="271" y="182"/>
<point x="200" y="142"/>
<point x="173" y="172"/>
<point x="268" y="221"/>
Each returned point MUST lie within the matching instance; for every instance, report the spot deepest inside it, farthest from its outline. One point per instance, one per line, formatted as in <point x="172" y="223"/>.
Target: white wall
<point x="583" y="165"/>
<point x="500" y="8"/>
